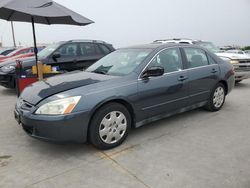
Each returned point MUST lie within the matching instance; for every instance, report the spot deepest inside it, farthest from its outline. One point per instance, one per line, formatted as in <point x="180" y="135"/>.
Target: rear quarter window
<point x="105" y="50"/>
<point x="211" y="60"/>
<point x="87" y="49"/>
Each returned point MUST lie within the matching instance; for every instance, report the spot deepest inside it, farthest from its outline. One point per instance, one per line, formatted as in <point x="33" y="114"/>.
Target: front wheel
<point x="217" y="98"/>
<point x="109" y="126"/>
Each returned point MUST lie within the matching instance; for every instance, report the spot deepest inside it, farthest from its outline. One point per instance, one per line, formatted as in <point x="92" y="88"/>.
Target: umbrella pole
<point x="13" y="34"/>
<point x="39" y="73"/>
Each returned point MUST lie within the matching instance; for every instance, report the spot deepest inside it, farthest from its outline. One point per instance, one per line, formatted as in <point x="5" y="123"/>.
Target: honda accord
<point x="126" y="89"/>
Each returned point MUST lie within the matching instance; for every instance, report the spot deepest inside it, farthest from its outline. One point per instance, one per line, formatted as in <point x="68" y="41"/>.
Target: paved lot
<point x="196" y="149"/>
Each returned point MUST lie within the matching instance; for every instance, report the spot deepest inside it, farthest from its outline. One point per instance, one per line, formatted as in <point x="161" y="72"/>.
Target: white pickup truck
<point x="240" y="61"/>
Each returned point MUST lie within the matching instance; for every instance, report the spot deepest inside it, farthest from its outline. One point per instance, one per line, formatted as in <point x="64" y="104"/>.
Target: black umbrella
<point x="40" y="11"/>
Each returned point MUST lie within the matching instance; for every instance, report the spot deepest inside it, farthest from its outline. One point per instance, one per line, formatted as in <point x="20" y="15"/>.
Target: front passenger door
<point x="166" y="93"/>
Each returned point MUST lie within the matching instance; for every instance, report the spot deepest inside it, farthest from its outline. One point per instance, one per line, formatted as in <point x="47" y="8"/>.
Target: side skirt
<point x="162" y="116"/>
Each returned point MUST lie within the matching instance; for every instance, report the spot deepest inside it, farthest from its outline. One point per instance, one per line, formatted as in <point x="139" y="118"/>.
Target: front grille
<point x="243" y="69"/>
<point x="244" y="61"/>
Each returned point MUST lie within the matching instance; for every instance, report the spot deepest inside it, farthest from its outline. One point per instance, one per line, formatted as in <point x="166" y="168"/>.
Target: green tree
<point x="246" y="48"/>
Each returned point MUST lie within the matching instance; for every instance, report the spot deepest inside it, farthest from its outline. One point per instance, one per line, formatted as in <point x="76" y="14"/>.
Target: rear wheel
<point x="109" y="126"/>
<point x="217" y="98"/>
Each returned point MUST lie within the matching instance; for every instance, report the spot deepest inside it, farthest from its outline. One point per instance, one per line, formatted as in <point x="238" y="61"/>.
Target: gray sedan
<point x="126" y="89"/>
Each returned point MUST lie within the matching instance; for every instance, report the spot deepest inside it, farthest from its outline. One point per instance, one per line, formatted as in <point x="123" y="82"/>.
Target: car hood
<point x="233" y="56"/>
<point x="57" y="84"/>
<point x="13" y="62"/>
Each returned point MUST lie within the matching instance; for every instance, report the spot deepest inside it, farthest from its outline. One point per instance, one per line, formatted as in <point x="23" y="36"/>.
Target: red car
<point x="20" y="53"/>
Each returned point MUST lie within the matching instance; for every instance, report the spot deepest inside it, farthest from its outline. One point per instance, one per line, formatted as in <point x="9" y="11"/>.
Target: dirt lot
<point x="195" y="149"/>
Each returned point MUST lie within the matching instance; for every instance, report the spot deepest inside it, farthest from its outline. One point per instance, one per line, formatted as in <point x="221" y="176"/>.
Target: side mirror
<point x="56" y="55"/>
<point x="153" y="72"/>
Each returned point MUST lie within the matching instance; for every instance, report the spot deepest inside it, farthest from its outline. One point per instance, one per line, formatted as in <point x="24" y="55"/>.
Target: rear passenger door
<point x="203" y="74"/>
<point x="89" y="54"/>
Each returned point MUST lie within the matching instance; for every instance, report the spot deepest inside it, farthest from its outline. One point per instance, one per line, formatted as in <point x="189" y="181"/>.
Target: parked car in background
<point x="20" y="53"/>
<point x="63" y="56"/>
<point x="247" y="51"/>
<point x="6" y="51"/>
<point x="236" y="52"/>
<point x="128" y="88"/>
<point x="241" y="62"/>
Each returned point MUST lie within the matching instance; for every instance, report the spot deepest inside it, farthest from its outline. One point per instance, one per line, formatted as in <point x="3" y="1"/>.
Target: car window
<point x="48" y="50"/>
<point x="169" y="59"/>
<point x="196" y="57"/>
<point x="120" y="62"/>
<point x="87" y="49"/>
<point x="68" y="50"/>
<point x="211" y="60"/>
<point x="23" y="52"/>
<point x="104" y="49"/>
<point x="6" y="52"/>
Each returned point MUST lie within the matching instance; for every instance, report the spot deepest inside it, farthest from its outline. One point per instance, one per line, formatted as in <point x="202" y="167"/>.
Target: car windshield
<point x="48" y="50"/>
<point x="5" y="51"/>
<point x="208" y="45"/>
<point x="13" y="52"/>
<point x="120" y="62"/>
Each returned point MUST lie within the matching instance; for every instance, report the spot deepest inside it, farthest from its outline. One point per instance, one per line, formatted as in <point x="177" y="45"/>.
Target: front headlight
<point x="59" y="107"/>
<point x="234" y="62"/>
<point x="8" y="68"/>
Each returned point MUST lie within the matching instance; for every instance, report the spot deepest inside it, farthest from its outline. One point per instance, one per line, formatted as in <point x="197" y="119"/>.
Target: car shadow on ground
<point x="8" y="92"/>
<point x="57" y="150"/>
<point x="137" y="136"/>
<point x="242" y="85"/>
<point x="177" y="121"/>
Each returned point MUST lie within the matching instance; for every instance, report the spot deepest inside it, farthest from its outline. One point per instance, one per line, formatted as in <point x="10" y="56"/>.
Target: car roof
<point x="175" y="39"/>
<point x="88" y="41"/>
<point x="180" y="40"/>
<point x="156" y="45"/>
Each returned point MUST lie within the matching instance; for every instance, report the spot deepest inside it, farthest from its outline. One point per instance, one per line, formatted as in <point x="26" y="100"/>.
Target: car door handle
<point x="182" y="78"/>
<point x="214" y="71"/>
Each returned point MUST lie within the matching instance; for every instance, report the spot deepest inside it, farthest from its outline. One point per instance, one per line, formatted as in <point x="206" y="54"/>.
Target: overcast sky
<point x="129" y="22"/>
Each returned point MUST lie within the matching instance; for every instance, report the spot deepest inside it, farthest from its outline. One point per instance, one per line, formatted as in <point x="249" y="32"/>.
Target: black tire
<point x="211" y="106"/>
<point x="94" y="130"/>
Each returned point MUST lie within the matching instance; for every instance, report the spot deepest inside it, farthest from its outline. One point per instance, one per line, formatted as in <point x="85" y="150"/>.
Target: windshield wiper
<point x="100" y="72"/>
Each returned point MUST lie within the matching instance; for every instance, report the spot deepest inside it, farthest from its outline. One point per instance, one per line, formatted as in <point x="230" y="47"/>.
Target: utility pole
<point x="13" y="34"/>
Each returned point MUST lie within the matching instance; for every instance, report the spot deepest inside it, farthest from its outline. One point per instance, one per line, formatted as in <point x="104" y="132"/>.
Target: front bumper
<point x="241" y="75"/>
<point x="242" y="71"/>
<point x="64" y="128"/>
<point x="7" y="80"/>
